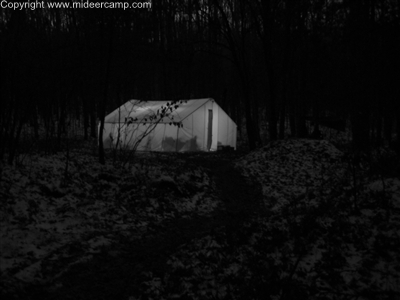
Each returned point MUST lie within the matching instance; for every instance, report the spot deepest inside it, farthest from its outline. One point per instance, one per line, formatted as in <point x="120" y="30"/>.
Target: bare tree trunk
<point x="360" y="130"/>
<point x="316" y="133"/>
<point x="379" y="127"/>
<point x="301" y="126"/>
<point x="272" y="112"/>
<point x="61" y="127"/>
<point x="93" y="122"/>
<point x="360" y="111"/>
<point x="85" y="119"/>
<point x="267" y="36"/>
<point x="14" y="140"/>
<point x="388" y="127"/>
<point x="249" y="119"/>
<point x="239" y="59"/>
<point x="398" y="128"/>
<point x="282" y="122"/>
<point x="256" y="122"/>
<point x="102" y="106"/>
<point x="36" y="126"/>
<point x="292" y="122"/>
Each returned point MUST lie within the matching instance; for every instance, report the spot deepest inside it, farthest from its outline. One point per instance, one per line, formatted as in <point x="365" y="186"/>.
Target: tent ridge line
<point x="139" y="122"/>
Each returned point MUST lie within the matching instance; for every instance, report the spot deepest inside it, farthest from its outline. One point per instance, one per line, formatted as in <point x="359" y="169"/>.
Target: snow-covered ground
<point x="292" y="169"/>
<point x="329" y="232"/>
<point x="357" y="235"/>
<point x="54" y="214"/>
<point x="327" y="228"/>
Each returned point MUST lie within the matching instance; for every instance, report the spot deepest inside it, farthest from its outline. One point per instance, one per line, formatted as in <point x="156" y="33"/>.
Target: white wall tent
<point x="205" y="126"/>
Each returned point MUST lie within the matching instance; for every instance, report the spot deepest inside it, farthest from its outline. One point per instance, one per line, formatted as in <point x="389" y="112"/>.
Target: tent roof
<point x="140" y="109"/>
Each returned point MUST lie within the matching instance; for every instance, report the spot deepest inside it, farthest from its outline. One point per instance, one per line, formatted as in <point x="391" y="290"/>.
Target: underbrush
<point x="60" y="210"/>
<point x="330" y="231"/>
<point x="328" y="228"/>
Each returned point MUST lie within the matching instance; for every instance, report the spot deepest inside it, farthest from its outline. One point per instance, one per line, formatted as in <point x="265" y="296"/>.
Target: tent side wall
<point x="161" y="138"/>
<point x="227" y="129"/>
<point x="224" y="130"/>
<point x="193" y="136"/>
<point x="195" y="128"/>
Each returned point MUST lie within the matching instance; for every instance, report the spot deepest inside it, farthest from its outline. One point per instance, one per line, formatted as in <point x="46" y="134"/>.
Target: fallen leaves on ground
<point x="330" y="231"/>
<point x="57" y="212"/>
<point x="327" y="227"/>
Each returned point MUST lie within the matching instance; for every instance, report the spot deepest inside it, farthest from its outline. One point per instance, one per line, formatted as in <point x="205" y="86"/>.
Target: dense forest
<point x="311" y="212"/>
<point x="275" y="66"/>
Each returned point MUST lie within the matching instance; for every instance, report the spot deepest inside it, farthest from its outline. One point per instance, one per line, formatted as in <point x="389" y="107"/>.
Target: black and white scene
<point x="200" y="150"/>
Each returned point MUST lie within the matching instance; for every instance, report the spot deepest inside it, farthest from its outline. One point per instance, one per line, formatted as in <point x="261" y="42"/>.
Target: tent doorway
<point x="209" y="134"/>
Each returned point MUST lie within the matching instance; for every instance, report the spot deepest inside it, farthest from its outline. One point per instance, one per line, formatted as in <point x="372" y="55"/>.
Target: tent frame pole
<point x="176" y="142"/>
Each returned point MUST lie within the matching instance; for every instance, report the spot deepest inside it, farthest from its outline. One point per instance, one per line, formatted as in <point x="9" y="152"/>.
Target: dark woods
<point x="274" y="66"/>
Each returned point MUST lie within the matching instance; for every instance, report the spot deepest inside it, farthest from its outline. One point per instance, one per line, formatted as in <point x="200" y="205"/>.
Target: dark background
<point x="270" y="65"/>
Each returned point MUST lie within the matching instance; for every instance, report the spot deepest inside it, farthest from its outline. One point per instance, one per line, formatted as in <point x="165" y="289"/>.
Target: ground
<point x="296" y="219"/>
